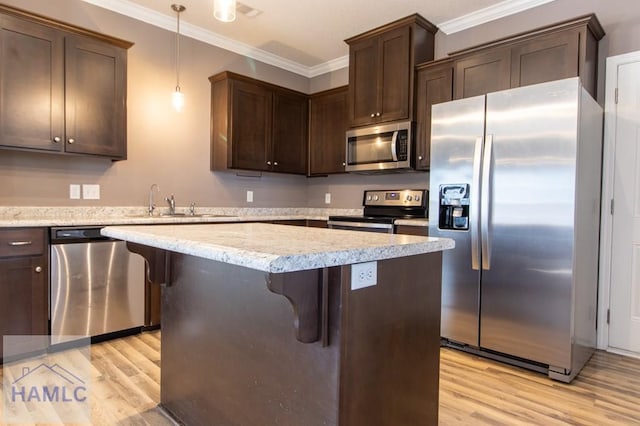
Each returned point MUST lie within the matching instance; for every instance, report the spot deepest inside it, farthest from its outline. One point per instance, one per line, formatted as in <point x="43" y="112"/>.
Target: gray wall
<point x="172" y="149"/>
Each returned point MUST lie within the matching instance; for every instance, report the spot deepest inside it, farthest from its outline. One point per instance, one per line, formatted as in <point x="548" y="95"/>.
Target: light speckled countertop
<point x="98" y="216"/>
<point x="278" y="248"/>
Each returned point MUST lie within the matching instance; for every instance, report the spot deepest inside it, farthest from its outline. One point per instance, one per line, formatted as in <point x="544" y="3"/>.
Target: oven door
<point x="385" y="228"/>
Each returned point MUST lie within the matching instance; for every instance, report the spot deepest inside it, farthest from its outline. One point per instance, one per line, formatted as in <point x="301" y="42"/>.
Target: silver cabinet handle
<point x="377" y="114"/>
<point x="268" y="163"/>
<point x="38" y="269"/>
<point x="419" y="157"/>
<point x="344" y="164"/>
<point x="20" y="243"/>
<point x="275" y="163"/>
<point x="373" y="115"/>
<point x="57" y="139"/>
<point x="71" y="140"/>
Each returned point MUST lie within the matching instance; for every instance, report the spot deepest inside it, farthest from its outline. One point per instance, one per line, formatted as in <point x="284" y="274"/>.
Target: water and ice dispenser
<point x="454" y="206"/>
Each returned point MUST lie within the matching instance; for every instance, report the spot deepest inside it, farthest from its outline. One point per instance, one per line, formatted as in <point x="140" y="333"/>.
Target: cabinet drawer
<point x="21" y="242"/>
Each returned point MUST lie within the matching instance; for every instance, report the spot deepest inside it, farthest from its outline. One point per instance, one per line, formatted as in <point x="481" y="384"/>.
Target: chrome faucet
<point x="152" y="205"/>
<point x="172" y="204"/>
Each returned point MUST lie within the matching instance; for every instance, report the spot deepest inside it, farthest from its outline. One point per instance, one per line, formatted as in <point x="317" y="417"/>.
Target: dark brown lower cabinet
<point x="422" y="231"/>
<point x="246" y="347"/>
<point x="23" y="288"/>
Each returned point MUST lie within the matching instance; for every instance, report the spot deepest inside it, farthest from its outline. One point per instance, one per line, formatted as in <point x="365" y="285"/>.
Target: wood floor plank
<point x="125" y="389"/>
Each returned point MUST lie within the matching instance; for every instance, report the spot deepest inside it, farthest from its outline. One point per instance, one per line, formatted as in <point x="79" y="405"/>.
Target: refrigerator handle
<point x="474" y="208"/>
<point x="485" y="203"/>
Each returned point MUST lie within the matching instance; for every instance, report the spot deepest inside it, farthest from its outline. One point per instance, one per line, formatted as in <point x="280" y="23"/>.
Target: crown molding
<point x="488" y="14"/>
<point x="152" y="17"/>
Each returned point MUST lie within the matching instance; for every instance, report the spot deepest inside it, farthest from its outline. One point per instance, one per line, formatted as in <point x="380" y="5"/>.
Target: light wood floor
<point x="125" y="389"/>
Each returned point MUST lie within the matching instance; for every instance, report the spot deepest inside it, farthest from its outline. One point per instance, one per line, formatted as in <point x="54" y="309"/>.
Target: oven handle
<point x="360" y="224"/>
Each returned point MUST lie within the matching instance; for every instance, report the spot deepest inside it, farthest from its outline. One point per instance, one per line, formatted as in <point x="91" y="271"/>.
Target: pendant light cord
<point x="178" y="8"/>
<point x="178" y="55"/>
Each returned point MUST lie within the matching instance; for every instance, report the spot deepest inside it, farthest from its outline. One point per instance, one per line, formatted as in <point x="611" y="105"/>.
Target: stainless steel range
<point x="382" y="208"/>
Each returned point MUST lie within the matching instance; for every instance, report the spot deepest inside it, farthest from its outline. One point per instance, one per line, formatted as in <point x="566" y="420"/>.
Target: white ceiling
<point x="307" y="36"/>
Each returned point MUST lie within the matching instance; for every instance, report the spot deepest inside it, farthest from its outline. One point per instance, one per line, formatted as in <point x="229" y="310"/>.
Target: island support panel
<point x="239" y="346"/>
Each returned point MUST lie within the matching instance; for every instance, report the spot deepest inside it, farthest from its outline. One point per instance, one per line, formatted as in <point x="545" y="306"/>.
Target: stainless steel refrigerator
<point x="515" y="181"/>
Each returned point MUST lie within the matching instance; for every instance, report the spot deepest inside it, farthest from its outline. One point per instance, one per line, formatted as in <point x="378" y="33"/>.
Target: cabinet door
<point x="482" y="74"/>
<point x="327" y="135"/>
<point x="394" y="76"/>
<point x="363" y="81"/>
<point x="435" y="85"/>
<point x="290" y="133"/>
<point x="250" y="134"/>
<point x="31" y="85"/>
<point x="23" y="299"/>
<point x="95" y="76"/>
<point x="548" y="58"/>
<point x="422" y="231"/>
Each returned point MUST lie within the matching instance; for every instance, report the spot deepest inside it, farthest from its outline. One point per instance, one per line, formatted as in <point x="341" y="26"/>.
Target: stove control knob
<point x="409" y="198"/>
<point x="376" y="198"/>
<point x="417" y="198"/>
<point x="368" y="197"/>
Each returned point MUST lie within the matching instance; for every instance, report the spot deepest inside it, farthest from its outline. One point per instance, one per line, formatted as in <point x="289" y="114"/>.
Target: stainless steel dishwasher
<point x="97" y="285"/>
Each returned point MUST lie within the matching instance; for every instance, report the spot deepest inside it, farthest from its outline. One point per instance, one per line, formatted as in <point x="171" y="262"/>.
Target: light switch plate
<point x="249" y="196"/>
<point x="327" y="198"/>
<point x="364" y="275"/>
<point x="91" y="192"/>
<point x="74" y="191"/>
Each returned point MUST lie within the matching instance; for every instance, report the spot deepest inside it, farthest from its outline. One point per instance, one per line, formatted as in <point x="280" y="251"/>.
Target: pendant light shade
<point x="178" y="97"/>
<point x="224" y="10"/>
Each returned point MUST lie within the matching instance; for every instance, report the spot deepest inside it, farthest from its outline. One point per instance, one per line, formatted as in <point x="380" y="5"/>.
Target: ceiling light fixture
<point x="224" y="10"/>
<point x="178" y="97"/>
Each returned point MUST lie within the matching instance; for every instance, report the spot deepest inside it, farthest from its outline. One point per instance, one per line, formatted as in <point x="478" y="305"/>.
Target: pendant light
<point x="178" y="97"/>
<point x="224" y="10"/>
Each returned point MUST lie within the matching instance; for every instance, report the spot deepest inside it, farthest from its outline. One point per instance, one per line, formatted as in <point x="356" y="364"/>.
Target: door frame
<point x="608" y="169"/>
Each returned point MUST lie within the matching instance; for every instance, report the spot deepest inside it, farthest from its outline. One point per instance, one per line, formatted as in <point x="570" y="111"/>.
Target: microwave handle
<point x="394" y="139"/>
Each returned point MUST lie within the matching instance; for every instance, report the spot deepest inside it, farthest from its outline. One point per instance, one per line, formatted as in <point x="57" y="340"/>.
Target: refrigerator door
<point x="456" y="152"/>
<point x="529" y="172"/>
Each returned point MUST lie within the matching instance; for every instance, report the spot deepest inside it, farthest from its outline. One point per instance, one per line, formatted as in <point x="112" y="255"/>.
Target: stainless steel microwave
<point x="386" y="147"/>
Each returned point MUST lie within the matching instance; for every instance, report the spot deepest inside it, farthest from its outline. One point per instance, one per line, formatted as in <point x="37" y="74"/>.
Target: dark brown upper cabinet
<point x="483" y="73"/>
<point x="381" y="70"/>
<point x="257" y="125"/>
<point x="563" y="50"/>
<point x="327" y="131"/>
<point x="63" y="88"/>
<point x="434" y="85"/>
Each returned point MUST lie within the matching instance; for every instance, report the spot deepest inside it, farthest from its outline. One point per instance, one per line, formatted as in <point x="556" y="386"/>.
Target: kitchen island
<point x="272" y="324"/>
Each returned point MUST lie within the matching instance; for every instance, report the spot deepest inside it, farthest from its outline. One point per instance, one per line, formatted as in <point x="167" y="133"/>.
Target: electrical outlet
<point x="91" y="192"/>
<point x="364" y="275"/>
<point x="74" y="191"/>
<point x="249" y="196"/>
<point x="327" y="198"/>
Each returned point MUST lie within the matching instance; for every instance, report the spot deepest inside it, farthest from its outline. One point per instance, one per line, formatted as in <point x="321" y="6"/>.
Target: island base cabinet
<point x="245" y="347"/>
